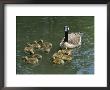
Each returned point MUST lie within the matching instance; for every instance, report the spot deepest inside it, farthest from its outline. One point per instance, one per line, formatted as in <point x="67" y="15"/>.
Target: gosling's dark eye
<point x="30" y="53"/>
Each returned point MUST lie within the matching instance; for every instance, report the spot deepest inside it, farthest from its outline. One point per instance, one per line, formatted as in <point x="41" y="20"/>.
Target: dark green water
<point x="51" y="29"/>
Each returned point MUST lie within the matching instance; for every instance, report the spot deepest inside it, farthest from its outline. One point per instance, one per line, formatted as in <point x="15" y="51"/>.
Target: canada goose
<point x="34" y="45"/>
<point x="62" y="55"/>
<point x="37" y="55"/>
<point x="74" y="40"/>
<point x="30" y="60"/>
<point x="58" y="61"/>
<point x="44" y="46"/>
<point x="29" y="49"/>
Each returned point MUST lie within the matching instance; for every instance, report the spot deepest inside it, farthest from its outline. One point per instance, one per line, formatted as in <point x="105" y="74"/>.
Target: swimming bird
<point x="45" y="46"/>
<point x="74" y="40"/>
<point x="62" y="55"/>
<point x="29" y="49"/>
<point x="30" y="60"/>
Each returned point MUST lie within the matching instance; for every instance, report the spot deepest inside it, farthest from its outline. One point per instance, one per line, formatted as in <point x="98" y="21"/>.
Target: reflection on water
<point x="50" y="29"/>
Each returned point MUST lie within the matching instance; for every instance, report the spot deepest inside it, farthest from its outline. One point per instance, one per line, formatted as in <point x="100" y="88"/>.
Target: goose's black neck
<point x="66" y="29"/>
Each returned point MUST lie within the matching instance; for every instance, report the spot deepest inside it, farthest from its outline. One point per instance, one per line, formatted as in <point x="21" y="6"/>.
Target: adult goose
<point x="71" y="40"/>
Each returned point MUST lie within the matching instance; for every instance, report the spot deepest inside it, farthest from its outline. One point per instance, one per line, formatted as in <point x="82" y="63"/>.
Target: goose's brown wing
<point x="74" y="38"/>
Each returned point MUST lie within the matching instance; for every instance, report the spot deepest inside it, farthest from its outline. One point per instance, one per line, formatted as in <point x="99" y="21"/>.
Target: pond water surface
<point x="51" y="29"/>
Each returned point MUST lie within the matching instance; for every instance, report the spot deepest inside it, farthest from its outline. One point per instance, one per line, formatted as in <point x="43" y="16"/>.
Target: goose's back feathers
<point x="74" y="40"/>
